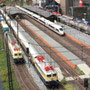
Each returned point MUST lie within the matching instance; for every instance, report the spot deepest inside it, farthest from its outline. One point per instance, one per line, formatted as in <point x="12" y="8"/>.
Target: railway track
<point x="24" y="78"/>
<point x="58" y="59"/>
<point x="62" y="64"/>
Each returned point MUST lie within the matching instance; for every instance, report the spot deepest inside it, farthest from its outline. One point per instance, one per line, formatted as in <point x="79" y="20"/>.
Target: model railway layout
<point x="17" y="58"/>
<point x="65" y="50"/>
<point x="45" y="70"/>
<point x="53" y="55"/>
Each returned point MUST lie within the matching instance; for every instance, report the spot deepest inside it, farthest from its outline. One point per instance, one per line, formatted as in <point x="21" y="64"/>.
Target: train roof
<point x="39" y="11"/>
<point x="51" y="23"/>
<point x="57" y="26"/>
<point x="11" y="37"/>
<point x="13" y="42"/>
<point x="45" y="65"/>
<point x="40" y="60"/>
<point x="1" y="16"/>
<point x="4" y="24"/>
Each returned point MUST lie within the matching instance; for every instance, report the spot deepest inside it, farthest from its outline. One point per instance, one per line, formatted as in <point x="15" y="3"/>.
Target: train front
<point x="51" y="77"/>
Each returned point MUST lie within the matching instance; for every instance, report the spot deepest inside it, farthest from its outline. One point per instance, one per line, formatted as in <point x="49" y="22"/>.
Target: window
<point x="57" y="29"/>
<point x="15" y="54"/>
<point x="48" y="75"/>
<point x="54" y="75"/>
<point x="61" y="29"/>
<point x="20" y="54"/>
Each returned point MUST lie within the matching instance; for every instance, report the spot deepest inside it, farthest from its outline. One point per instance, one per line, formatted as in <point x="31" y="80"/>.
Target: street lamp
<point x="17" y="18"/>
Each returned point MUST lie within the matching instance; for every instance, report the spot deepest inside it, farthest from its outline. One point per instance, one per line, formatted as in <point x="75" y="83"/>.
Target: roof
<point x="1" y="1"/>
<point x="13" y="11"/>
<point x="39" y="11"/>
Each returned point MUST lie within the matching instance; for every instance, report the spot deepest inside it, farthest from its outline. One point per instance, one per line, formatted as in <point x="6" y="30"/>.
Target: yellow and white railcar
<point x="46" y="71"/>
<point x="15" y="49"/>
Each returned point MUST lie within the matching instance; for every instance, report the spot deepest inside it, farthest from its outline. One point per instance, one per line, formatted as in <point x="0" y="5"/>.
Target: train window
<point x="61" y="29"/>
<point x="57" y="29"/>
<point x="48" y="75"/>
<point x="20" y="54"/>
<point x="54" y="75"/>
<point x="51" y="26"/>
<point x="15" y="54"/>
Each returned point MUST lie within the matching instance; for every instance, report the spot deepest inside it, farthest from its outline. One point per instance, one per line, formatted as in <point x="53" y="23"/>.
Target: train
<point x="74" y="23"/>
<point x="14" y="48"/>
<point x="82" y="21"/>
<point x="3" y="24"/>
<point x="44" y="69"/>
<point x="79" y="24"/>
<point x="52" y="26"/>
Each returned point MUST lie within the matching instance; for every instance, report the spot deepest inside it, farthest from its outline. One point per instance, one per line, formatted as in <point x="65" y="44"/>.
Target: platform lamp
<point x="17" y="18"/>
<point x="29" y="57"/>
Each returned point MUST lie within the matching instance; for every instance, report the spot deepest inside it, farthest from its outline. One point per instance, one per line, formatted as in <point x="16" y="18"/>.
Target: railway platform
<point x="39" y="11"/>
<point x="81" y="76"/>
<point x="84" y="38"/>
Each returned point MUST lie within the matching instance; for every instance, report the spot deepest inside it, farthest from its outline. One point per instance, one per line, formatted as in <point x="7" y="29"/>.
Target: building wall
<point x="65" y="4"/>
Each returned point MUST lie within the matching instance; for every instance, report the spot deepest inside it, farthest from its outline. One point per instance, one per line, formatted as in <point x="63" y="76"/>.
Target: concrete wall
<point x="63" y="6"/>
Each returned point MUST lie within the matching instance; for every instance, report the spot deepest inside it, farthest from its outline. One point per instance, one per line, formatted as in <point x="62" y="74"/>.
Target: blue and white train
<point x="3" y="24"/>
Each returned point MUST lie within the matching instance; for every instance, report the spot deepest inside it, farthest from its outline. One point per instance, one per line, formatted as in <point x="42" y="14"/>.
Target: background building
<point x="69" y="7"/>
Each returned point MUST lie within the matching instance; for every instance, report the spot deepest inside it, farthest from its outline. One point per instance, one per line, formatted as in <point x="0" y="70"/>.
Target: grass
<point x="69" y="87"/>
<point x="15" y="83"/>
<point x="80" y="71"/>
<point x="4" y="70"/>
<point x="1" y="43"/>
<point x="66" y="85"/>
